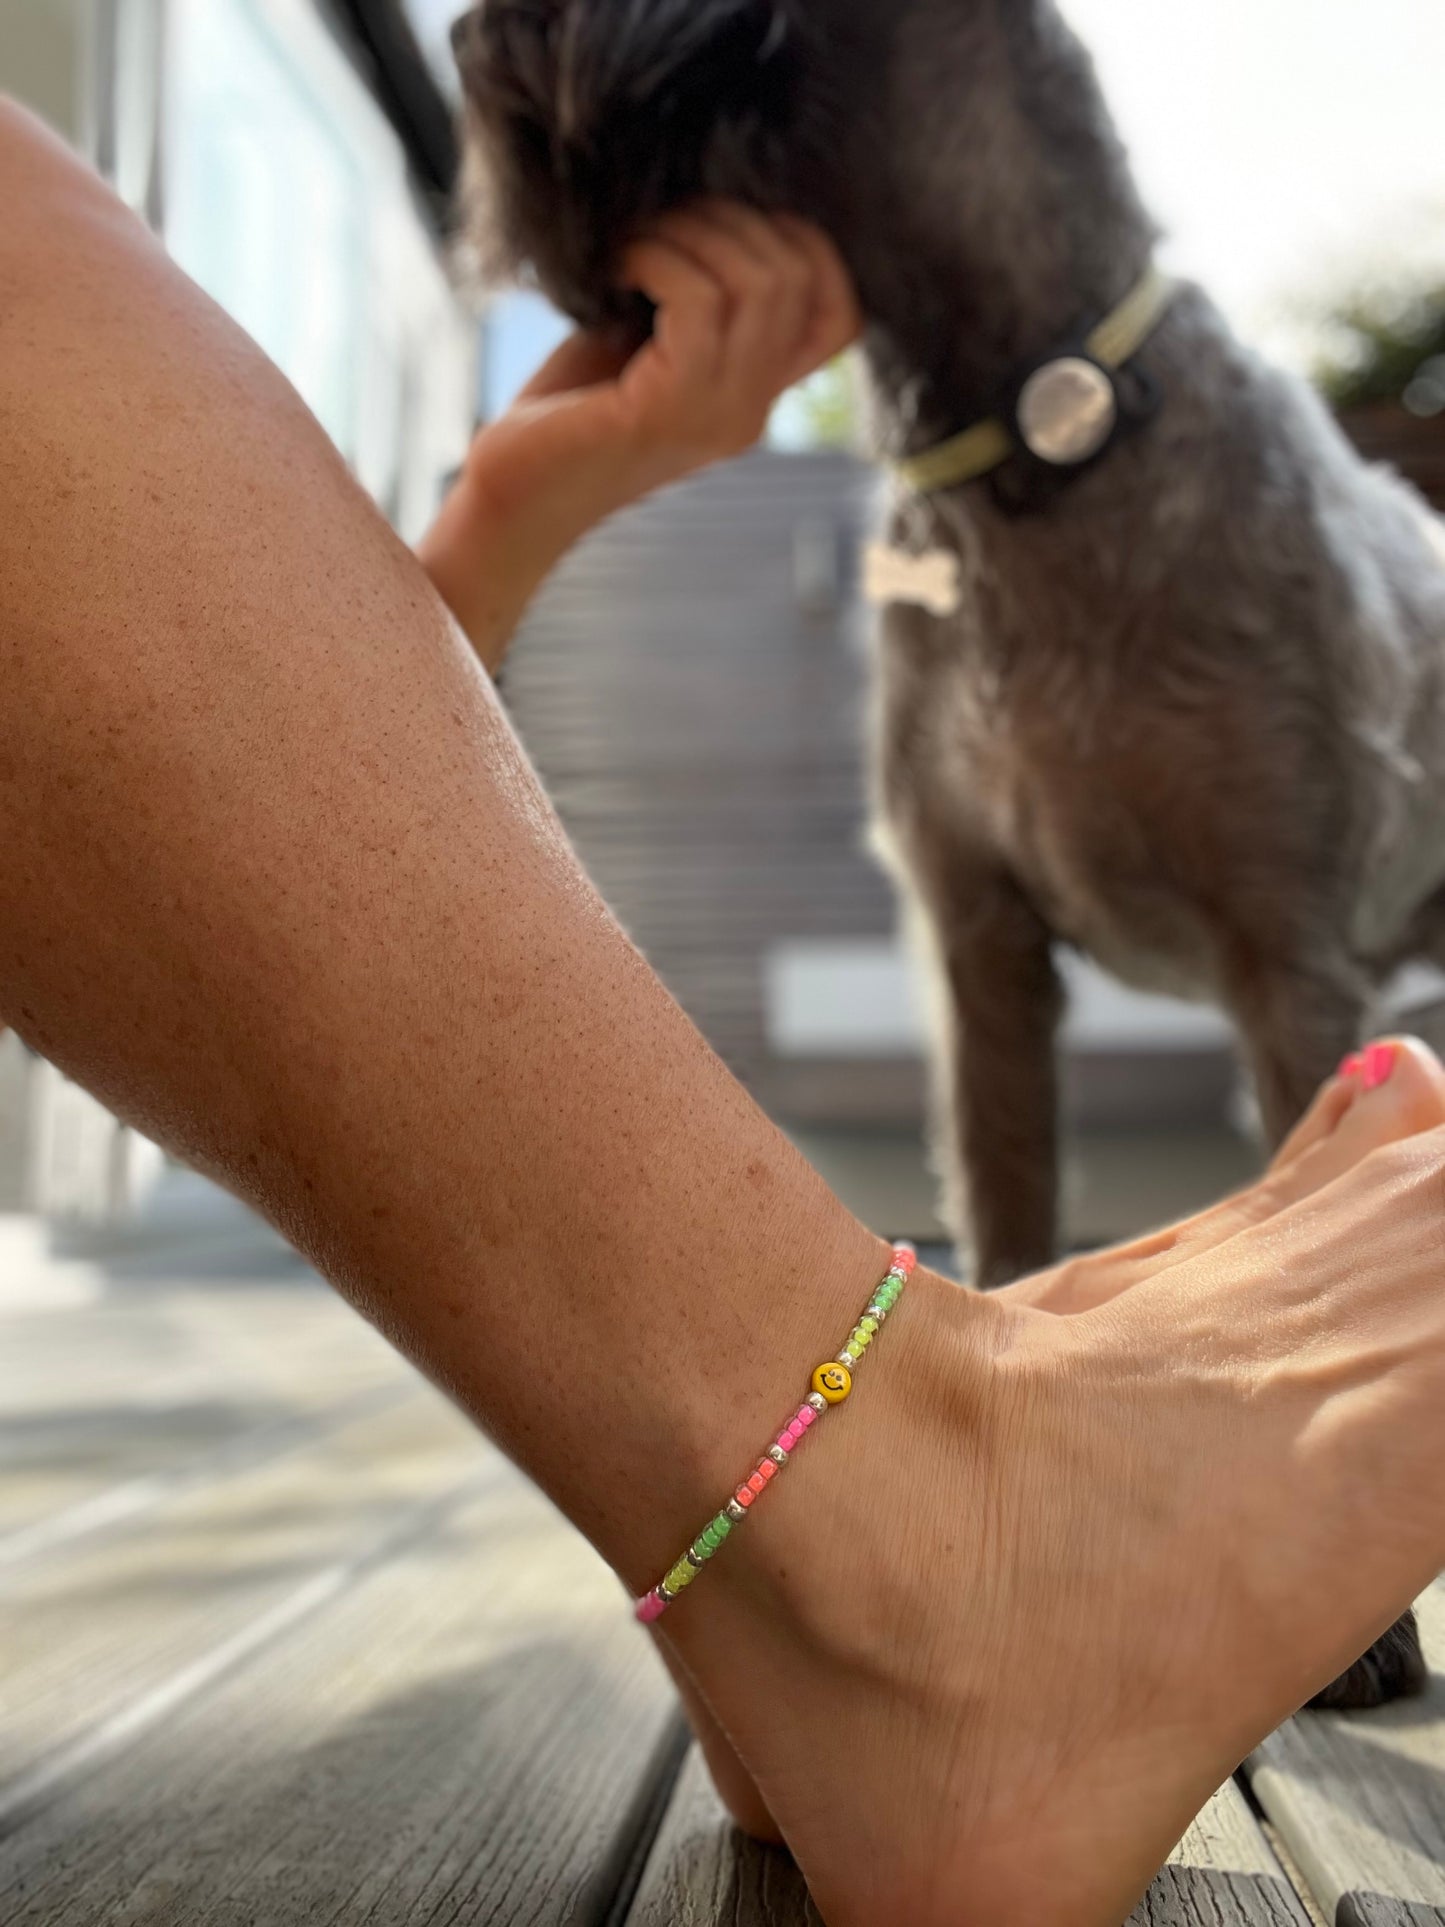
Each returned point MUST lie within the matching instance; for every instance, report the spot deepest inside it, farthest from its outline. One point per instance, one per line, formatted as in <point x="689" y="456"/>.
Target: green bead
<point x="682" y="1575"/>
<point x="869" y="1325"/>
<point x="722" y="1525"/>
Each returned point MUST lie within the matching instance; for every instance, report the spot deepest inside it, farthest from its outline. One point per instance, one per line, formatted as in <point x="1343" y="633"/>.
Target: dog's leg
<point x="1000" y="1098"/>
<point x="1297" y="1025"/>
<point x="1297" y="1022"/>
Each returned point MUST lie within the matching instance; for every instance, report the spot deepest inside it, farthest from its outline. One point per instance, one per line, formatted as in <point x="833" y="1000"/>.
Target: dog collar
<point x="1066" y="408"/>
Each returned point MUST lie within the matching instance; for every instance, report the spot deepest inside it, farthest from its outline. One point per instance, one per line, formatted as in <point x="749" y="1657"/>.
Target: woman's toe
<point x="1394" y="1089"/>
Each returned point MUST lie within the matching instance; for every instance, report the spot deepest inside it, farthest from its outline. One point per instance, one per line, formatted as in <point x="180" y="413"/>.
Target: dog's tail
<point x="595" y="116"/>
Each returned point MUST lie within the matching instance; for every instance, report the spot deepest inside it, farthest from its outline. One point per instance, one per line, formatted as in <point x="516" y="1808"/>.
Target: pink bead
<point x="759" y="1480"/>
<point x="766" y="1470"/>
<point x="806" y="1417"/>
<point x="785" y="1441"/>
<point x="651" y="1608"/>
<point x="795" y="1431"/>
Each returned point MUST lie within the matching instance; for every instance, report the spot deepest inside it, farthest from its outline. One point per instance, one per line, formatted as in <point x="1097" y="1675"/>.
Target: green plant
<point x="1387" y="347"/>
<point x="828" y="403"/>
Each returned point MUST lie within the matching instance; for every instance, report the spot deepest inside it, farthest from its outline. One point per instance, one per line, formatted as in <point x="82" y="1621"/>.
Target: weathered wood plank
<point x="1359" y="1799"/>
<point x="101" y="1625"/>
<point x="140" y="1348"/>
<point x="56" y="1498"/>
<point x="696" y="710"/>
<point x="104" y="1406"/>
<point x="456" y="1740"/>
<point x="1378" y="1910"/>
<point x="703" y="1873"/>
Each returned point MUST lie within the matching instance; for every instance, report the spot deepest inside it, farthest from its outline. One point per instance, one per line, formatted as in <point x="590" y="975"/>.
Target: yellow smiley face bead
<point x="833" y="1382"/>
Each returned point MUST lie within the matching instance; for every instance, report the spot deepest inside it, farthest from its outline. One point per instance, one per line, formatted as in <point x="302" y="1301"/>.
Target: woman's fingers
<point x="836" y="319"/>
<point x="692" y="307"/>
<point x="584" y="360"/>
<point x="769" y="282"/>
<point x="747" y="305"/>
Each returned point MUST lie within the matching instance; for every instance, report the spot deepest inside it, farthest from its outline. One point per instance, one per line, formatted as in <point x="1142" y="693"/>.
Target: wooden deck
<point x="282" y="1642"/>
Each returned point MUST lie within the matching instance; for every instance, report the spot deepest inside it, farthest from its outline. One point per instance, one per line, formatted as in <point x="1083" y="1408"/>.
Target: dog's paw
<point x="1393" y="1669"/>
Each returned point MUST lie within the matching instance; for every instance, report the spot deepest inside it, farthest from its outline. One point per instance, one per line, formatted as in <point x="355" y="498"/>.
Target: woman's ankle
<point x="828" y="1562"/>
<point x="715" y="1410"/>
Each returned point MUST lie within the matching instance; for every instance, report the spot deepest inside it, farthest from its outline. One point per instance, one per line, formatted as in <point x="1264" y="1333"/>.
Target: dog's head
<point x="591" y="118"/>
<point x="957" y="151"/>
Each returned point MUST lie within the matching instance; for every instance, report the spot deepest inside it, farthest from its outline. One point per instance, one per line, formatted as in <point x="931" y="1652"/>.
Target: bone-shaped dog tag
<point x="930" y="581"/>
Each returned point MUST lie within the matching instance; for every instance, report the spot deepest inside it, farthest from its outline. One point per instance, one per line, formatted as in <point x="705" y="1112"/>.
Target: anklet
<point x="832" y="1382"/>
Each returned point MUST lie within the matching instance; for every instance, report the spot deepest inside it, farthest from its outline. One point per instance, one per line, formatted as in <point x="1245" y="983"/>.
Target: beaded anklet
<point x="832" y="1382"/>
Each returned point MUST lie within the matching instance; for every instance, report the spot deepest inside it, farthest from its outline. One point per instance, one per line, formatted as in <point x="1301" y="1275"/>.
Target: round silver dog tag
<point x="1067" y="411"/>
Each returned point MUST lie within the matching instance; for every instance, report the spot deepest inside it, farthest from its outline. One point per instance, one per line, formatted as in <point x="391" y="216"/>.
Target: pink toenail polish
<point x="1379" y="1065"/>
<point x="1353" y="1066"/>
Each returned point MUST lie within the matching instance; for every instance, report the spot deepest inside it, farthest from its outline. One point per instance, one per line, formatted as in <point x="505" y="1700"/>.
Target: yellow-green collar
<point x="988" y="444"/>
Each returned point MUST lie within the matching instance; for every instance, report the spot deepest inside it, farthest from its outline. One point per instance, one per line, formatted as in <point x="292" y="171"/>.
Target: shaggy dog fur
<point x="1190" y="717"/>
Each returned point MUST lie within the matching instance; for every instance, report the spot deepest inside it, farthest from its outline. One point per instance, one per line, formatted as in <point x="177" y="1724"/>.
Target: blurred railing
<point x="1413" y="444"/>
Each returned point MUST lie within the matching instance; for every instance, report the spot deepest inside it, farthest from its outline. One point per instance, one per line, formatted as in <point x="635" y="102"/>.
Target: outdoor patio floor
<point x="282" y="1641"/>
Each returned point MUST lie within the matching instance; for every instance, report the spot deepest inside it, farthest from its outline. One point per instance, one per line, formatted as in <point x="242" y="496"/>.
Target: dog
<point x="1182" y="704"/>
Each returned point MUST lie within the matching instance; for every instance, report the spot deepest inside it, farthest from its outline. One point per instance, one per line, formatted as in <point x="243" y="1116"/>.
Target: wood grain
<point x="703" y="1873"/>
<point x="147" y="1383"/>
<point x="332" y="1682"/>
<point x="457" y="1740"/>
<point x="100" y="1626"/>
<point x="1378" y="1910"/>
<point x="1359" y="1799"/>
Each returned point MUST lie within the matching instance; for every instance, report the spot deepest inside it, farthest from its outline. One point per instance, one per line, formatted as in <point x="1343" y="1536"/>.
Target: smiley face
<point x="833" y="1381"/>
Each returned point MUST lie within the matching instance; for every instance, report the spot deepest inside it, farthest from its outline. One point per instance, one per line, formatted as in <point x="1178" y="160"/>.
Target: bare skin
<point x="745" y="306"/>
<point x="276" y="882"/>
<point x="1348" y="1121"/>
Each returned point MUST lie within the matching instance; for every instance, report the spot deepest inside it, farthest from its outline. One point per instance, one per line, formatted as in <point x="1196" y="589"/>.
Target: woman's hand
<point x="747" y="305"/>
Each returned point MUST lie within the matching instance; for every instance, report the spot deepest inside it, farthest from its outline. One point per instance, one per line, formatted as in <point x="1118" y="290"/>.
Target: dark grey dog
<point x="1189" y="711"/>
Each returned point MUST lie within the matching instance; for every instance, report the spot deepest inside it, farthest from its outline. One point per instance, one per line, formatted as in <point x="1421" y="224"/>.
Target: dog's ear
<point x="595" y="116"/>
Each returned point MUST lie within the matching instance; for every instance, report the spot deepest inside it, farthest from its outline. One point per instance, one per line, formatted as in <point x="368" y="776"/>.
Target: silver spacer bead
<point x="664" y="1595"/>
<point x="818" y="1402"/>
<point x="876" y="1311"/>
<point x="777" y="1455"/>
<point x="736" y="1512"/>
<point x="849" y="1364"/>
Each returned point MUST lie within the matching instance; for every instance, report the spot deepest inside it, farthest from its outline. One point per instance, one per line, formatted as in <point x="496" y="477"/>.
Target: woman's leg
<point x="1402" y="1097"/>
<point x="276" y="881"/>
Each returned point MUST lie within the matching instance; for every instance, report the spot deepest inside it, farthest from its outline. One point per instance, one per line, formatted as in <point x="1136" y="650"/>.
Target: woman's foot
<point x="1044" y="1582"/>
<point x="1343" y="1128"/>
<point x="1393" y="1090"/>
